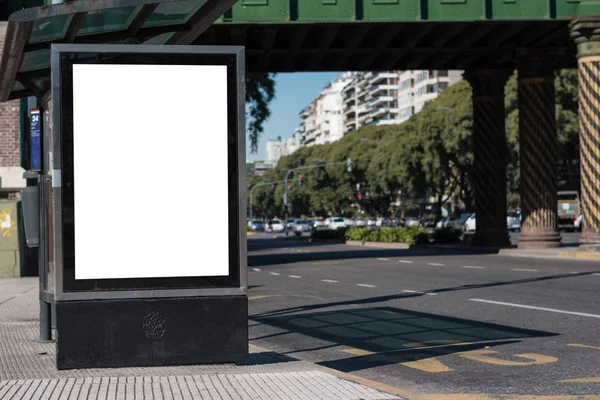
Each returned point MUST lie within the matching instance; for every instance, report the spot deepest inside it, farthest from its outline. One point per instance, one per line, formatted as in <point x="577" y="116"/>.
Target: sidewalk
<point x="27" y="369"/>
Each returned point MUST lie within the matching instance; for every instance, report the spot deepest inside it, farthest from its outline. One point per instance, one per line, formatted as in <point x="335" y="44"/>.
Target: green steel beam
<point x="315" y="11"/>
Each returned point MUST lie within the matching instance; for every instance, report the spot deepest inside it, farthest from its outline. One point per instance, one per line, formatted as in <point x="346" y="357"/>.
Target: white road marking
<point x="473" y="267"/>
<point x="274" y="273"/>
<point x="329" y="280"/>
<point x="410" y="291"/>
<point x="435" y="264"/>
<point x="596" y="274"/>
<point x="257" y="269"/>
<point x="364" y="285"/>
<point x="536" y="308"/>
<point x="525" y="270"/>
<point x="405" y="261"/>
<point x="383" y="259"/>
<point x="431" y="294"/>
<point x="573" y="272"/>
<point x="295" y="276"/>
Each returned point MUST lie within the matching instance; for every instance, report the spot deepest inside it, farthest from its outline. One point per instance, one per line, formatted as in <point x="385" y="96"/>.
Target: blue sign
<point x="35" y="123"/>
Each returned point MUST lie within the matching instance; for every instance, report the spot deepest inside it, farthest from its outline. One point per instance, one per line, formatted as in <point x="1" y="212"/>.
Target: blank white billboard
<point x="151" y="171"/>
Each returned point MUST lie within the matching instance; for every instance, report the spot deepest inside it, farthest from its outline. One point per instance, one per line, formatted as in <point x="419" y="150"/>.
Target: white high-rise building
<point x="293" y="142"/>
<point x="323" y="119"/>
<point x="418" y="87"/>
<point x="275" y="150"/>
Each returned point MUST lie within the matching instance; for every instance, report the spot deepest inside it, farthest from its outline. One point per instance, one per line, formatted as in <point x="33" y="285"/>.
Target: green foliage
<point x="408" y="235"/>
<point x="260" y="91"/>
<point x="327" y="234"/>
<point x="430" y="153"/>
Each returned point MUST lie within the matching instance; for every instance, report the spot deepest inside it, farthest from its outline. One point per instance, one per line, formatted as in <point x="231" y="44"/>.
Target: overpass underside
<point x="368" y="46"/>
<point x="488" y="39"/>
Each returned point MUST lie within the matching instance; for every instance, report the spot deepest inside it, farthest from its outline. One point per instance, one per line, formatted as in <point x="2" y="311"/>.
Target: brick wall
<point x="10" y="159"/>
<point x="9" y="124"/>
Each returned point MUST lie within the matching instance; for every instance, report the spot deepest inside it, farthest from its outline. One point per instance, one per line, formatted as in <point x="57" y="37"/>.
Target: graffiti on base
<point x="7" y="224"/>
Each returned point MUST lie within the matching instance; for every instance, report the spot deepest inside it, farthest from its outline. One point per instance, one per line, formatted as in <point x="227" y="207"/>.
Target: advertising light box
<point x="148" y="173"/>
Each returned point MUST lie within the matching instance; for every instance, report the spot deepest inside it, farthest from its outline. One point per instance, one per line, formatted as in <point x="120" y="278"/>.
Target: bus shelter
<point x="137" y="266"/>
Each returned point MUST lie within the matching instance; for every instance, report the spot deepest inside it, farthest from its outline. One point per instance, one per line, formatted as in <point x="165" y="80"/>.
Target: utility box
<point x="9" y="240"/>
<point x="136" y="283"/>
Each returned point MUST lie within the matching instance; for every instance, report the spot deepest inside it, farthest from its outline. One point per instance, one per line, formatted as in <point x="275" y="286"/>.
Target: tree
<point x="260" y="91"/>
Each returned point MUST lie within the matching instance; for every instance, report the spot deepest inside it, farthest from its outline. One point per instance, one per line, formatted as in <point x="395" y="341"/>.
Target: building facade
<point x="275" y="149"/>
<point x="11" y="173"/>
<point x="323" y="119"/>
<point x="418" y="87"/>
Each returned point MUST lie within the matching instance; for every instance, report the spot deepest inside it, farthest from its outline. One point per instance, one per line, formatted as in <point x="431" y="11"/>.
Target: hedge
<point x="409" y="234"/>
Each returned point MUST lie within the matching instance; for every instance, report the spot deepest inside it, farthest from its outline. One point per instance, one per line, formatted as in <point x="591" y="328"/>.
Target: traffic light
<point x="290" y="187"/>
<point x="273" y="187"/>
<point x="349" y="164"/>
<point x="301" y="179"/>
<point x="360" y="196"/>
<point x="349" y="197"/>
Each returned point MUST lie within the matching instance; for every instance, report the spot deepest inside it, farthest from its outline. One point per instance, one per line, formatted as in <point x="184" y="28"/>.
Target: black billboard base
<point x="151" y="332"/>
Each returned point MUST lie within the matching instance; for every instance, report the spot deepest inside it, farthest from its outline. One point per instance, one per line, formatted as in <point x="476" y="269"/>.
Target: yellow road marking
<point x="592" y="379"/>
<point x="258" y="297"/>
<point x="480" y="355"/>
<point x="436" y="342"/>
<point x="583" y="346"/>
<point x="431" y="365"/>
<point x="357" y="352"/>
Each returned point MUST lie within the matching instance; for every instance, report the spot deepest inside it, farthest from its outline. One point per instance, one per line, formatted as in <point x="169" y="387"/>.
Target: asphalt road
<point x="430" y="322"/>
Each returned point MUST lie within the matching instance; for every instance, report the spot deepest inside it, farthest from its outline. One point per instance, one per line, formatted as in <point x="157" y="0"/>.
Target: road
<point x="430" y="322"/>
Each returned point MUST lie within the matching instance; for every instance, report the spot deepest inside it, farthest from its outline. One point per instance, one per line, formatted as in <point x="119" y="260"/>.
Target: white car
<point x="371" y="222"/>
<point x="360" y="222"/>
<point x="470" y="224"/>
<point x="335" y="223"/>
<point x="577" y="223"/>
<point x="275" y="225"/>
<point x="349" y="222"/>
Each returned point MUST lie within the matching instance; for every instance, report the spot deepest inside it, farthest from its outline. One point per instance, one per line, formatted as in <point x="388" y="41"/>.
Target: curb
<point x="580" y="254"/>
<point x="381" y="245"/>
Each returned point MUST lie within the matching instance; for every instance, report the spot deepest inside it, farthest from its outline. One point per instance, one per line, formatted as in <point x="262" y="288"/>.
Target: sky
<point x="293" y="92"/>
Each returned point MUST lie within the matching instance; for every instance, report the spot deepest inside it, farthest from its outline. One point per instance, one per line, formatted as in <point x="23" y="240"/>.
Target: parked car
<point x="371" y="222"/>
<point x="427" y="223"/>
<point x="383" y="222"/>
<point x="470" y="224"/>
<point x="411" y="221"/>
<point x="441" y="222"/>
<point x="513" y="220"/>
<point x="460" y="221"/>
<point x="360" y="222"/>
<point x="290" y="223"/>
<point x="349" y="222"/>
<point x="578" y="223"/>
<point x="301" y="226"/>
<point x="568" y="210"/>
<point x="318" y="224"/>
<point x="257" y="225"/>
<point x="275" y="225"/>
<point x="335" y="223"/>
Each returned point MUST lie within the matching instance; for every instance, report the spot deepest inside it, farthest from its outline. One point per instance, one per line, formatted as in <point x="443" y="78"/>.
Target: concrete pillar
<point x="539" y="153"/>
<point x="586" y="32"/>
<point x="489" y="147"/>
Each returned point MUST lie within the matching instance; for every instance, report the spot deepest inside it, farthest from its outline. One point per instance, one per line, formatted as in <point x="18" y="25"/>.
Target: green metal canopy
<point x="25" y="61"/>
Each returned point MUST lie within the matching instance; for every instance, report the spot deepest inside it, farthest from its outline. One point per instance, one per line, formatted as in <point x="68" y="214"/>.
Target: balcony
<point x="377" y="111"/>
<point x="350" y="112"/>
<point x="380" y="99"/>
<point x="381" y="76"/>
<point x="379" y="88"/>
<point x="304" y="113"/>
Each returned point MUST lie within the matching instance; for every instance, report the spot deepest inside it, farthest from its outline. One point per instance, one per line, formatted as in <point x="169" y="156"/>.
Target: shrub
<point x="409" y="234"/>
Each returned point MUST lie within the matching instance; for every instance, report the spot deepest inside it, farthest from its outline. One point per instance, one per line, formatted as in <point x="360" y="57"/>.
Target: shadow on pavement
<point x="257" y="260"/>
<point x="386" y="335"/>
<point x="380" y="299"/>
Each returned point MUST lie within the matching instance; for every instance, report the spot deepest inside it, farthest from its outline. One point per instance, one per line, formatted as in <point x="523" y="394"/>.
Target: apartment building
<point x="323" y="119"/>
<point x="418" y="87"/>
<point x="275" y="149"/>
<point x="371" y="99"/>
